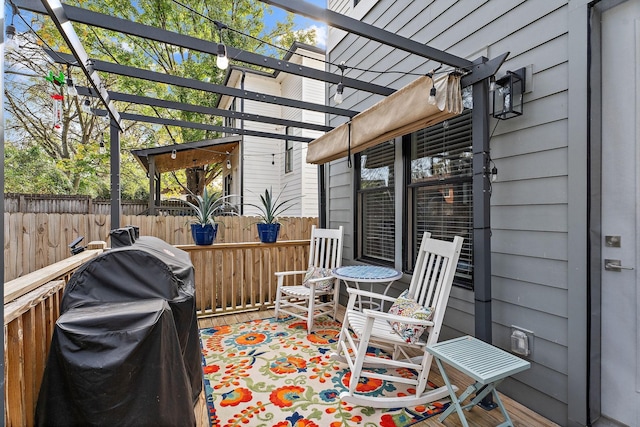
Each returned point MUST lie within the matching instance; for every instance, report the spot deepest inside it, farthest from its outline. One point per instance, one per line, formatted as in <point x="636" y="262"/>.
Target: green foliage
<point x="208" y="205"/>
<point x="272" y="207"/>
<point x="70" y="160"/>
<point x="32" y="159"/>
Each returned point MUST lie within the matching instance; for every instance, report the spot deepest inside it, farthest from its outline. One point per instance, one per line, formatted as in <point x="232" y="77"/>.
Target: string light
<point x="102" y="149"/>
<point x="11" y="43"/>
<point x="71" y="89"/>
<point x="222" y="61"/>
<point x="86" y="106"/>
<point x="338" y="97"/>
<point x="432" y="92"/>
<point x="173" y="154"/>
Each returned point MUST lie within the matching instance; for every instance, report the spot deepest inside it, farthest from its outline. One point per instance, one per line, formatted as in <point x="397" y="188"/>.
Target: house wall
<point x="302" y="183"/>
<point x="538" y="202"/>
<point x="263" y="159"/>
<point x="259" y="153"/>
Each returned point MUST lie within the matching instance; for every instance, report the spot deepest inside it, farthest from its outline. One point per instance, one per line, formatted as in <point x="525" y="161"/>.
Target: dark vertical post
<point x="482" y="218"/>
<point x="2" y="49"/>
<point x="481" y="212"/>
<point x="114" y="143"/>
<point x="152" y="184"/>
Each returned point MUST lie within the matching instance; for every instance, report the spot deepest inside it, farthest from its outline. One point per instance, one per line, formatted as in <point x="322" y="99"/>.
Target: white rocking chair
<point x="319" y="295"/>
<point x="430" y="287"/>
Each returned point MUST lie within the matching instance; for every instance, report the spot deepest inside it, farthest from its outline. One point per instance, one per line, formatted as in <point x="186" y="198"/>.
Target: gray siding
<point x="530" y="205"/>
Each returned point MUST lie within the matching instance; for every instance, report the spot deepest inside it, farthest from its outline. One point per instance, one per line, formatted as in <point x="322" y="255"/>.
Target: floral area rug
<point x="272" y="373"/>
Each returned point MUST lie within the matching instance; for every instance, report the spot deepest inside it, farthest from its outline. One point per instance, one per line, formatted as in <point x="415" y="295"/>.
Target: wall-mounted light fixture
<point x="508" y="96"/>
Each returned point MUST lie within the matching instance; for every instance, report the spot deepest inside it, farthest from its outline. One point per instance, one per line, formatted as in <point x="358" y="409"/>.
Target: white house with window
<point x="259" y="163"/>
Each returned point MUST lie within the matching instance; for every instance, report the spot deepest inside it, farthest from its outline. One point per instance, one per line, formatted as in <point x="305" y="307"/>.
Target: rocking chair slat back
<point x="326" y="248"/>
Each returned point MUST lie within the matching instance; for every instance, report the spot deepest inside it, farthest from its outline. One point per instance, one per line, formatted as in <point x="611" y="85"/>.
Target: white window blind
<point x="441" y="188"/>
<point x="376" y="203"/>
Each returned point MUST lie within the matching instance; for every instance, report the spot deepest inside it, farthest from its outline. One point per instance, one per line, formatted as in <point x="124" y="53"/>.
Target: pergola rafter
<point x="153" y="76"/>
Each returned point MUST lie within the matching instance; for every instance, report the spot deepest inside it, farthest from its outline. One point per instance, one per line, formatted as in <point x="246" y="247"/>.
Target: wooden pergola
<point x="169" y="158"/>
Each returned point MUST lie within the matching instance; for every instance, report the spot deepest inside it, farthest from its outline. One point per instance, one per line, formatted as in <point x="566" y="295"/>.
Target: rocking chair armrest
<point x="395" y="318"/>
<point x="320" y="279"/>
<point x="368" y="294"/>
<point x="289" y="273"/>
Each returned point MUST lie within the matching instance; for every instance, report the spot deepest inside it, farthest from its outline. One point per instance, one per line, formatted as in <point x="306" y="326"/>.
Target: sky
<point x="302" y="22"/>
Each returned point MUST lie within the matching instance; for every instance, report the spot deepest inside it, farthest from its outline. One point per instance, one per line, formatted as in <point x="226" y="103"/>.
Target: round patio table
<point x="370" y="274"/>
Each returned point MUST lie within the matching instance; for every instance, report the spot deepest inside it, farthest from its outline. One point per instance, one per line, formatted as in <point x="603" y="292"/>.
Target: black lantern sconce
<point x="508" y="96"/>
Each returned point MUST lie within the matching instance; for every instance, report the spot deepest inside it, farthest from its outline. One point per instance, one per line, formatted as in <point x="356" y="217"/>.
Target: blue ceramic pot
<point x="204" y="234"/>
<point x="268" y="233"/>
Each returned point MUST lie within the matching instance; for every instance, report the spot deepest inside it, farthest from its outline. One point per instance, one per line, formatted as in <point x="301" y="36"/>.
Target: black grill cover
<point x="148" y="269"/>
<point x="116" y="364"/>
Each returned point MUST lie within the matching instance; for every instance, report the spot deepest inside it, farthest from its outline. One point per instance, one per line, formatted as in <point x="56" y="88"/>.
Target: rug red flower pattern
<point x="272" y="373"/>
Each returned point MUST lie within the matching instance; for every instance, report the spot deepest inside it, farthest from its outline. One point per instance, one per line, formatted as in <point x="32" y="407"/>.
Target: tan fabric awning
<point x="402" y="112"/>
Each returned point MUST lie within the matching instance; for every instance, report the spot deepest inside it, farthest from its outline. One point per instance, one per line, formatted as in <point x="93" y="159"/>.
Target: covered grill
<point x="125" y="349"/>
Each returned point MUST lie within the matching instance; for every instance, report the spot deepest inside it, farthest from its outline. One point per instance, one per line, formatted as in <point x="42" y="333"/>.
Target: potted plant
<point x="270" y="208"/>
<point x="204" y="227"/>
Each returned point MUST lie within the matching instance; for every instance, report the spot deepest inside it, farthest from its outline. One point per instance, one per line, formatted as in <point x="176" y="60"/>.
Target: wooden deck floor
<point x="477" y="417"/>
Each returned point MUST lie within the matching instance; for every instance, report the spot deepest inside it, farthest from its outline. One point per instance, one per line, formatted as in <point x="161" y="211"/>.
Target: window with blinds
<point x="376" y="203"/>
<point x="440" y="188"/>
<point x="288" y="153"/>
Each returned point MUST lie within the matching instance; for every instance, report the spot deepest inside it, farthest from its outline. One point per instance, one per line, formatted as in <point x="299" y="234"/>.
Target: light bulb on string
<point x="11" y="42"/>
<point x="222" y="61"/>
<point x="86" y="106"/>
<point x="102" y="149"/>
<point x="71" y="88"/>
<point x="432" y="96"/>
<point x="431" y="100"/>
<point x="173" y="154"/>
<point x="338" y="97"/>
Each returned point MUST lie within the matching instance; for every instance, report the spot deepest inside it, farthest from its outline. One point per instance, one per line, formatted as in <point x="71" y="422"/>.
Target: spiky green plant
<point x="271" y="207"/>
<point x="208" y="206"/>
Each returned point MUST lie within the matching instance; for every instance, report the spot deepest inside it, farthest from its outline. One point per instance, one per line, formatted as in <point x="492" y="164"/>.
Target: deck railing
<point x="32" y="306"/>
<point x="229" y="277"/>
<point x="233" y="277"/>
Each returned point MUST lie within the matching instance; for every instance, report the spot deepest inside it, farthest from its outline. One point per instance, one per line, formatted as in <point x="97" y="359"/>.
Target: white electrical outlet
<point x="521" y="341"/>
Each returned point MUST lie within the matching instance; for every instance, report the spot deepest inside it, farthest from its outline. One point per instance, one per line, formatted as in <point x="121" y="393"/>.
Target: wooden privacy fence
<point x="35" y="240"/>
<point x="78" y="204"/>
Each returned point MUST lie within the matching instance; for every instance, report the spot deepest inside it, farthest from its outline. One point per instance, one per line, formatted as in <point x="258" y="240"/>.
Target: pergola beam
<point x="56" y="11"/>
<point x="122" y="70"/>
<point x="204" y="126"/>
<point x="95" y="19"/>
<point x="162" y="103"/>
<point x="337" y="20"/>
